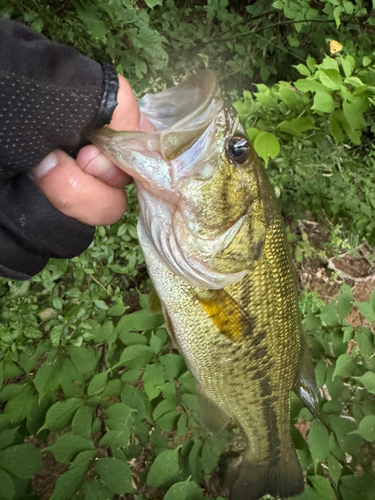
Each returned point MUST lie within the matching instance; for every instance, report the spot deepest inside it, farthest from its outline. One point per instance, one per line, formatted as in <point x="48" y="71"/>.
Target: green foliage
<point x="328" y="110"/>
<point x="85" y="364"/>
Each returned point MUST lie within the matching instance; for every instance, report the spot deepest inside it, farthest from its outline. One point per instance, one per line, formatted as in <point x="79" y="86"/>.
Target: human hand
<point x="90" y="188"/>
<point x="34" y="228"/>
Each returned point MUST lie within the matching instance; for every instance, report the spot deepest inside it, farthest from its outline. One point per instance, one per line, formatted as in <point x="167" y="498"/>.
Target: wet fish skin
<point x="216" y="252"/>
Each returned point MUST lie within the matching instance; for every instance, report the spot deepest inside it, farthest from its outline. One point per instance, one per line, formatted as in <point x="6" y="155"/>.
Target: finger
<point x="91" y="161"/>
<point x="76" y="193"/>
<point x="126" y="114"/>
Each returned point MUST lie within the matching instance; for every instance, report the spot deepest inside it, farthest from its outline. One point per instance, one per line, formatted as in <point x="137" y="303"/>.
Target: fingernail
<point x="44" y="166"/>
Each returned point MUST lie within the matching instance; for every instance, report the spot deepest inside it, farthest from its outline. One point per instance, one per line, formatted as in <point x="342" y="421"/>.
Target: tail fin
<point x="281" y="478"/>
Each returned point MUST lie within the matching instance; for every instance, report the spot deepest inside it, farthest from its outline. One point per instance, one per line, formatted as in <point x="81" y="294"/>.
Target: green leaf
<point x="96" y="490"/>
<point x="91" y="18"/>
<point x="138" y="401"/>
<point x="323" y="102"/>
<point x="10" y="391"/>
<point x="141" y="321"/>
<point x="353" y="112"/>
<point x="366" y="61"/>
<point x="310" y="85"/>
<point x="112" y="389"/>
<point x="165" y="406"/>
<point x="22" y="405"/>
<point x="136" y="356"/>
<point x="100" y="304"/>
<point x="116" y="474"/>
<point x="97" y="383"/>
<point x="21" y="460"/>
<point x="329" y="315"/>
<point x="8" y="489"/>
<point x="194" y="460"/>
<point x="348" y="441"/>
<point x="372" y="300"/>
<point x="131" y="376"/>
<point x="178" y="491"/>
<point x="82" y="421"/>
<point x="116" y="310"/>
<point x="334" y="468"/>
<point x="119" y="417"/>
<point x="252" y="133"/>
<point x="182" y="425"/>
<point x="68" y="483"/>
<point x="165" y="469"/>
<point x="83" y="459"/>
<point x="357" y="487"/>
<point x="130" y="338"/>
<point x="346" y="66"/>
<point x="211" y="451"/>
<point x="153" y="378"/>
<point x="368" y="381"/>
<point x="367" y="310"/>
<point x="296" y="126"/>
<point x="106" y="333"/>
<point x="153" y="3"/>
<point x="320" y="373"/>
<point x="168" y="422"/>
<point x="266" y="146"/>
<point x="115" y="439"/>
<point x="47" y="378"/>
<point x="311" y="63"/>
<point x="7" y="437"/>
<point x="366" y="428"/>
<point x="190" y="401"/>
<point x="158" y="340"/>
<point x="84" y="359"/>
<point x="330" y="78"/>
<point x="173" y="365"/>
<point x="318" y="441"/>
<point x="323" y="487"/>
<point x="344" y="301"/>
<point x="68" y="446"/>
<point x="344" y="366"/>
<point x="60" y="414"/>
<point x="302" y="69"/>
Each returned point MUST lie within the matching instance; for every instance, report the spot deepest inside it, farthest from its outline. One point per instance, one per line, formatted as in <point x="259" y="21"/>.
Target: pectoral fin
<point x="169" y="326"/>
<point x="227" y="315"/>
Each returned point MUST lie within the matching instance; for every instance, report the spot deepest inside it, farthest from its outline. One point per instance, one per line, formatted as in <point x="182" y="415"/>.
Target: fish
<point x="215" y="248"/>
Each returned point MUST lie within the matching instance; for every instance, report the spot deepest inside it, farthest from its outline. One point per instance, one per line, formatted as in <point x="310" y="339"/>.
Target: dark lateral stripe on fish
<point x="274" y="443"/>
<point x="258" y="337"/>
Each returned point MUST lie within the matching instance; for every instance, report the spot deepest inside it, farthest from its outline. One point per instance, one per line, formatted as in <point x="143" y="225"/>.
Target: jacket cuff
<point x="109" y="98"/>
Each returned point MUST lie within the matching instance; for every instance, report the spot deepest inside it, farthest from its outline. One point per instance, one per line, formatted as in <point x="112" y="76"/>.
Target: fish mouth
<point x="177" y="127"/>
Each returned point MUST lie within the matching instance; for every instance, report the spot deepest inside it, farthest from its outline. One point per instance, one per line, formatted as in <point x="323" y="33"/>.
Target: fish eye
<point x="238" y="149"/>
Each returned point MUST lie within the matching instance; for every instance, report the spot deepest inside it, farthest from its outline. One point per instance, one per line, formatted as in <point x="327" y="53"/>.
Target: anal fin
<point x="210" y="415"/>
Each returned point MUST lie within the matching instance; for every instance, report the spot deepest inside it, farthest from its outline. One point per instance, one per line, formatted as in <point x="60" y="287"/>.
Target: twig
<point x="100" y="284"/>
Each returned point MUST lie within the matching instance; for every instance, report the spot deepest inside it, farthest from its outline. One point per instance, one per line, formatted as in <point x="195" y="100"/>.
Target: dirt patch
<point x="325" y="275"/>
<point x="44" y="481"/>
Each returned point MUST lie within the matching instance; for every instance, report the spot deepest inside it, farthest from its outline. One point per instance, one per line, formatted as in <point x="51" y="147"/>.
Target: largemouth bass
<point x="215" y="249"/>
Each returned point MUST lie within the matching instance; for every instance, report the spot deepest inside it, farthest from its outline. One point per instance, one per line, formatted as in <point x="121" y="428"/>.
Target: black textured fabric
<point x="50" y="97"/>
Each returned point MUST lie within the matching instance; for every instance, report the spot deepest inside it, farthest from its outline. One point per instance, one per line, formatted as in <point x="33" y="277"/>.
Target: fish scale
<point x="216" y="251"/>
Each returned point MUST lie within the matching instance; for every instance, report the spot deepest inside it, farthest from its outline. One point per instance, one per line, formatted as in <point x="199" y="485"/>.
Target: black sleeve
<point x="50" y="97"/>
